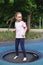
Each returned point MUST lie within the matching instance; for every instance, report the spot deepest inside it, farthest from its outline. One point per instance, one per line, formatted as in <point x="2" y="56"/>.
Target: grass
<point x="33" y="35"/>
<point x="9" y="36"/>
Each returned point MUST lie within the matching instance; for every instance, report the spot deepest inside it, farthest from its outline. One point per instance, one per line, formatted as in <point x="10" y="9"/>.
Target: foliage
<point x="33" y="7"/>
<point x="9" y="36"/>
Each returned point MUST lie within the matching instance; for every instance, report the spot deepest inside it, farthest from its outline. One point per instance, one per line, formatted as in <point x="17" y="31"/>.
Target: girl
<point x="20" y="28"/>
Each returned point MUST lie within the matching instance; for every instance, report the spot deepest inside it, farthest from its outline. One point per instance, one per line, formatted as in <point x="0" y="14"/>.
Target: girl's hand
<point x="23" y="34"/>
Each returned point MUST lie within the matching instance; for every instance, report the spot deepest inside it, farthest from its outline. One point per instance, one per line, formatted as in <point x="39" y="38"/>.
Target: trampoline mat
<point x="10" y="57"/>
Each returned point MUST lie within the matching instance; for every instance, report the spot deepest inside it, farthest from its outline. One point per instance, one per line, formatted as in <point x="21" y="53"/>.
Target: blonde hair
<point x="17" y="13"/>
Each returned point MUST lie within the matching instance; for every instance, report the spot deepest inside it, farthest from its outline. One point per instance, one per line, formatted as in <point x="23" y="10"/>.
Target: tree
<point x="1" y="1"/>
<point x="6" y="1"/>
<point x="25" y="6"/>
<point x="40" y="11"/>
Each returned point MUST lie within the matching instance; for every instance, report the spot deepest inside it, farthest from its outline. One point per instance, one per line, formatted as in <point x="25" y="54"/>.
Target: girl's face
<point x="18" y="17"/>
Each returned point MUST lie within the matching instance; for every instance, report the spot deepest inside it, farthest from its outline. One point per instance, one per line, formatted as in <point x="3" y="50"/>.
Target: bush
<point x="9" y="36"/>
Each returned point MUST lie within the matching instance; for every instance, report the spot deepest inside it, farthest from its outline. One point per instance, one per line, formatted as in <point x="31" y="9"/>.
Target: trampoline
<point x="34" y="53"/>
<point x="30" y="57"/>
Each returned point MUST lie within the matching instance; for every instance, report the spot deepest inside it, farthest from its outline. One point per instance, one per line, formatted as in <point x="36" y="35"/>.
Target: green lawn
<point x="33" y="35"/>
<point x="9" y="36"/>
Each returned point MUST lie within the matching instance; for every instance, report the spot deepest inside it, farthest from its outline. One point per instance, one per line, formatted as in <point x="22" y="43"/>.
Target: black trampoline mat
<point x="10" y="57"/>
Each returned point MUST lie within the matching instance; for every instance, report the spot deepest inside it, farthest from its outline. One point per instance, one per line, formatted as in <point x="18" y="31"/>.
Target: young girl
<point x="21" y="29"/>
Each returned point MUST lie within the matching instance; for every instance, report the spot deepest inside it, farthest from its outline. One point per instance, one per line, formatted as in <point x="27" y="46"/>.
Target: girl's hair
<point x="17" y="13"/>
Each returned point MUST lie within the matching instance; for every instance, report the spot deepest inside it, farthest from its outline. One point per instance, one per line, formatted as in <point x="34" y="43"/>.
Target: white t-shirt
<point x="19" y="26"/>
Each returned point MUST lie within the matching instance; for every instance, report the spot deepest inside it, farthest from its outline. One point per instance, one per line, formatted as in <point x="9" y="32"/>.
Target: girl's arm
<point x="25" y="29"/>
<point x="14" y="30"/>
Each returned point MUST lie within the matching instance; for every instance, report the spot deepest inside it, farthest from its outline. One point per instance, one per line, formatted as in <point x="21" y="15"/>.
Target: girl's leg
<point x="16" y="45"/>
<point x="22" y="40"/>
